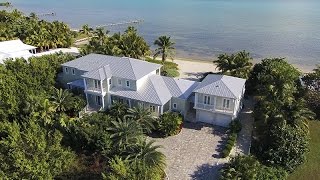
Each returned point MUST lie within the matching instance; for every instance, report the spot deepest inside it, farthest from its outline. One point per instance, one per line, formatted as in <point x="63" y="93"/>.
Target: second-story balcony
<point x="96" y="90"/>
<point x="212" y="108"/>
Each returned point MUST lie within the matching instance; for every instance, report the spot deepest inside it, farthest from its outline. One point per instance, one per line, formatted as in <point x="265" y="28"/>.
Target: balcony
<point x="205" y="106"/>
<point x="95" y="90"/>
<point x="213" y="108"/>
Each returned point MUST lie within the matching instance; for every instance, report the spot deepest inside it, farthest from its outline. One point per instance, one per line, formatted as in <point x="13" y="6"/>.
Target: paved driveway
<point x="193" y="154"/>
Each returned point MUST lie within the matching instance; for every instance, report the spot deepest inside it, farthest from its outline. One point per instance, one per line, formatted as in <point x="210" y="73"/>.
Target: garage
<point x="205" y="116"/>
<point x="222" y="120"/>
<point x="213" y="118"/>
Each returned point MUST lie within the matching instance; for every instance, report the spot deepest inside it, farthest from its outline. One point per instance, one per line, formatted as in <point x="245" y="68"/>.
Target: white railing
<point x="205" y="106"/>
<point x="212" y="108"/>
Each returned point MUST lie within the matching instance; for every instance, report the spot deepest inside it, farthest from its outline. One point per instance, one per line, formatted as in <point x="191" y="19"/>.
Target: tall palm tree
<point x="165" y="48"/>
<point x="61" y="99"/>
<point x="86" y="30"/>
<point x="100" y="34"/>
<point x="143" y="117"/>
<point x="124" y="132"/>
<point x="46" y="112"/>
<point x="146" y="153"/>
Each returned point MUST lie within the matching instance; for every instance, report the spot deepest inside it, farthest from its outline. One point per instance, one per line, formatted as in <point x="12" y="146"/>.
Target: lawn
<point x="311" y="168"/>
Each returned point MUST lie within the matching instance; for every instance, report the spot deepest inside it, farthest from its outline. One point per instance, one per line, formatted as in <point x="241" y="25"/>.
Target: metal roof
<point x="158" y="90"/>
<point x="99" y="74"/>
<point x="14" y="46"/>
<point x="221" y="85"/>
<point x="180" y="88"/>
<point x="122" y="67"/>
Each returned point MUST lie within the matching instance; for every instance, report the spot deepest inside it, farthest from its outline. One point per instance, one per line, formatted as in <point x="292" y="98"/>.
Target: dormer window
<point x="66" y="70"/>
<point x="128" y="83"/>
<point x="73" y="72"/>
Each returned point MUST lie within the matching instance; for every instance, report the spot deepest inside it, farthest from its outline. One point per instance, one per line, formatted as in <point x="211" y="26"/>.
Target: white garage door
<point x="206" y="117"/>
<point x="214" y="118"/>
<point x="222" y="120"/>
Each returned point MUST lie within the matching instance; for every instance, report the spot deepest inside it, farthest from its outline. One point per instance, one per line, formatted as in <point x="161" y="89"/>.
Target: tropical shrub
<point x="229" y="145"/>
<point x="169" y="124"/>
<point x="247" y="167"/>
<point x="29" y="150"/>
<point x="235" y="126"/>
<point x="170" y="72"/>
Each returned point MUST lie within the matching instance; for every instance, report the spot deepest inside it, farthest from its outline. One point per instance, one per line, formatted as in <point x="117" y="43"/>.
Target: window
<point x="207" y="99"/>
<point x="174" y="105"/>
<point x="119" y="81"/>
<point x="110" y="81"/>
<point x="157" y="71"/>
<point x="96" y="84"/>
<point x="152" y="108"/>
<point x="128" y="83"/>
<point x="226" y="103"/>
<point x="98" y="100"/>
<point x="69" y="86"/>
<point x="67" y="70"/>
<point x="73" y="72"/>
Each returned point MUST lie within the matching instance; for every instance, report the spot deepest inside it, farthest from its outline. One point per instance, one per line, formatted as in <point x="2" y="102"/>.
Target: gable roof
<point x="180" y="88"/>
<point x="99" y="74"/>
<point x="14" y="46"/>
<point x="158" y="90"/>
<point x="221" y="85"/>
<point x="122" y="67"/>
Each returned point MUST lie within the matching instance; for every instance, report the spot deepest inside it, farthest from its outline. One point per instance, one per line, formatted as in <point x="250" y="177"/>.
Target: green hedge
<point x="234" y="127"/>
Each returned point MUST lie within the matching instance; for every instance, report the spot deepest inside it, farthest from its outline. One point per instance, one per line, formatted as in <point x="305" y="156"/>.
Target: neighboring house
<point x="106" y="79"/>
<point x="15" y="49"/>
<point x="218" y="99"/>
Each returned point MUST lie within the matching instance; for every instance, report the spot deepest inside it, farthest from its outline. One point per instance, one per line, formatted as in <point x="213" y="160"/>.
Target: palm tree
<point x="165" y="48"/>
<point x="143" y="117"/>
<point x="46" y="112"/>
<point x="100" y="34"/>
<point x="238" y="64"/>
<point x="124" y="133"/>
<point x="146" y="153"/>
<point x="118" y="109"/>
<point x="61" y="99"/>
<point x="86" y="30"/>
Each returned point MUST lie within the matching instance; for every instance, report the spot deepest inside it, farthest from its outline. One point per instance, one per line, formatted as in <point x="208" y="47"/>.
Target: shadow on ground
<point x="206" y="172"/>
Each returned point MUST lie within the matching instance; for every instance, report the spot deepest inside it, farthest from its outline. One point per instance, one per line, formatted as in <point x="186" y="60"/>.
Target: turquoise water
<point x="205" y="28"/>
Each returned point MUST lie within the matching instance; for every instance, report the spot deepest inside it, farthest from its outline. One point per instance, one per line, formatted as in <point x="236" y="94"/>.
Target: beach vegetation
<point x="281" y="133"/>
<point x="33" y="31"/>
<point x="168" y="68"/>
<point x="128" y="44"/>
<point x="238" y="65"/>
<point x="165" y="48"/>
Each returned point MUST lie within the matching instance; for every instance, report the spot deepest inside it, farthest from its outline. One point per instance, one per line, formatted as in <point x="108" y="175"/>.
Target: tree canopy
<point x="238" y="65"/>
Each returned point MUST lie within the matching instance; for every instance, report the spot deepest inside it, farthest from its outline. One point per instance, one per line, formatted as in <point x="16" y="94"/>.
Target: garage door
<point x="223" y="120"/>
<point x="206" y="117"/>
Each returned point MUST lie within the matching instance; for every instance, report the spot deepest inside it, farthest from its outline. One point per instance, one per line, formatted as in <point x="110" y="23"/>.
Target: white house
<point x="105" y="79"/>
<point x="15" y="49"/>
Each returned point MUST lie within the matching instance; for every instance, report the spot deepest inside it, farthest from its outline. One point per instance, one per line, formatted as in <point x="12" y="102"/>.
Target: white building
<point x="15" y="49"/>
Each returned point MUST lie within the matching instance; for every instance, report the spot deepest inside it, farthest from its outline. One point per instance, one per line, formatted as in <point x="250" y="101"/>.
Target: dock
<point x="121" y="23"/>
<point x="46" y="14"/>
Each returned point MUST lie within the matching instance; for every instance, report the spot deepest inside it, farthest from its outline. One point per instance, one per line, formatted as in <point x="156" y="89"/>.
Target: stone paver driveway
<point x="194" y="153"/>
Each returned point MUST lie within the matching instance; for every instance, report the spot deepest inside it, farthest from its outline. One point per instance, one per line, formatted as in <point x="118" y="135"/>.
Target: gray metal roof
<point x="153" y="91"/>
<point x="180" y="88"/>
<point x="99" y="74"/>
<point x="221" y="85"/>
<point x="122" y="67"/>
<point x="158" y="90"/>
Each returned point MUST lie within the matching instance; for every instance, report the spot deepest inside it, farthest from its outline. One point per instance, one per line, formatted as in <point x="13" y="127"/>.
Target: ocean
<point x="202" y="29"/>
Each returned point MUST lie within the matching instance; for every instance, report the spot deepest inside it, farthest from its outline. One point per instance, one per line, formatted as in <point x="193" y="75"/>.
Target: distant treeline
<point x="5" y="4"/>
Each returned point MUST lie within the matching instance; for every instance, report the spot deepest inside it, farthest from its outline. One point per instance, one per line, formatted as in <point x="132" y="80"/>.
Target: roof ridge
<point x="228" y="87"/>
<point x="134" y="73"/>
<point x="158" y="98"/>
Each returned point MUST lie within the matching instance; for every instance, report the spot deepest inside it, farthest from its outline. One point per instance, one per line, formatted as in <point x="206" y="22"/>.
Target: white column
<point x="101" y="86"/>
<point x="87" y="99"/>
<point x="85" y="83"/>
<point x="102" y="98"/>
<point x="170" y="108"/>
<point x="195" y="99"/>
<point x="161" y="110"/>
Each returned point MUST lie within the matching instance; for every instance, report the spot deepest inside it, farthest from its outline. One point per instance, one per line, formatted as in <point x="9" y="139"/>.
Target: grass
<point x="311" y="168"/>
